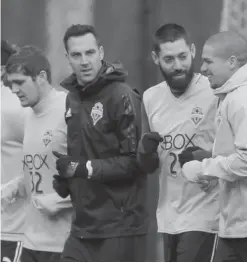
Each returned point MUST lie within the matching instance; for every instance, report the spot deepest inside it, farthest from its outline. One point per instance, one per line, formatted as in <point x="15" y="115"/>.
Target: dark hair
<point x="29" y="61"/>
<point x="79" y="30"/>
<point x="6" y="51"/>
<point x="169" y="33"/>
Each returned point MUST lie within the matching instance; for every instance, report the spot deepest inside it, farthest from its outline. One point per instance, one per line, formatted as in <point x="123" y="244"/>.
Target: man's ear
<point x="233" y="62"/>
<point x="42" y="78"/>
<point x="155" y="58"/>
<point x="193" y="50"/>
<point x="101" y="52"/>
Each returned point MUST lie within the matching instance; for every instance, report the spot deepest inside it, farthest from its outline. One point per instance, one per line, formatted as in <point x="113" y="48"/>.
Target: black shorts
<point x="10" y="251"/>
<point x="231" y="249"/>
<point x="130" y="248"/>
<point x="29" y="255"/>
<point x="192" y="246"/>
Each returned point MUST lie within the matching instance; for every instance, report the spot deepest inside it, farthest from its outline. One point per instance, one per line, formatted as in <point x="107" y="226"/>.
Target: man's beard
<point x="179" y="86"/>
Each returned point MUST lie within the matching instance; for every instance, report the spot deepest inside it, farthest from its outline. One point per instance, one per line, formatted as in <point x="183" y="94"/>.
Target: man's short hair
<point x="6" y="51"/>
<point x="79" y="30"/>
<point x="229" y="43"/>
<point x="30" y="61"/>
<point x="169" y="33"/>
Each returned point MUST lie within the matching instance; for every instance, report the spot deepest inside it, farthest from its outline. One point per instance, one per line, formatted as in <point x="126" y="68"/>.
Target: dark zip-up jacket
<point x="104" y="126"/>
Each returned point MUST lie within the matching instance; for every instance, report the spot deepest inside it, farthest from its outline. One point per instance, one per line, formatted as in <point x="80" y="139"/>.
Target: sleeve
<point x="128" y="129"/>
<point x="234" y="166"/>
<point x="52" y="204"/>
<point x="13" y="189"/>
<point x="148" y="162"/>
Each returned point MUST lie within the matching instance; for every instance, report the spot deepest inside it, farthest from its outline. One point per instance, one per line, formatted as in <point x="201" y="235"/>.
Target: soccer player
<point x="107" y="188"/>
<point x="48" y="216"/>
<point x="12" y="132"/>
<point x="178" y="125"/>
<point x="224" y="62"/>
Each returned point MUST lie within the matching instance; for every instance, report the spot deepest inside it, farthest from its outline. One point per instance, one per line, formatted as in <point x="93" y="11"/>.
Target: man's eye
<point x="19" y="82"/>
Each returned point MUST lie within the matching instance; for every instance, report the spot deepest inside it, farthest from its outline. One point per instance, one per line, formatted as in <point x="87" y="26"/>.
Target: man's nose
<point x="177" y="64"/>
<point x="15" y="88"/>
<point x="203" y="68"/>
<point x="84" y="60"/>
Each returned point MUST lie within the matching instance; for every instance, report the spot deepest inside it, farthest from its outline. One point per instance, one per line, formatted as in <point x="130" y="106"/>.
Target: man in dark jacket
<point x="100" y="172"/>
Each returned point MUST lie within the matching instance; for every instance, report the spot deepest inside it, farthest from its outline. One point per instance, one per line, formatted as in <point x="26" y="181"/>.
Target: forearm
<point x="231" y="168"/>
<point x="116" y="168"/>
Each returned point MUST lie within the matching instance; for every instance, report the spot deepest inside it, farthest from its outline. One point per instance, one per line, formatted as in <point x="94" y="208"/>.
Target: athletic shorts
<point x="10" y="251"/>
<point x="192" y="246"/>
<point x="130" y="249"/>
<point x="29" y="255"/>
<point x="231" y="249"/>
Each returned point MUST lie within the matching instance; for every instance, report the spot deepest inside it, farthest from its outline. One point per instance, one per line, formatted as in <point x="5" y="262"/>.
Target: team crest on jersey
<point x="47" y="137"/>
<point x="97" y="112"/>
<point x="196" y="115"/>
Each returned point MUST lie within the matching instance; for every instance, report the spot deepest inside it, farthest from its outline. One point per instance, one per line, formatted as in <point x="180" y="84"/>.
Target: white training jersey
<point x="12" y="132"/>
<point x="183" y="122"/>
<point x="44" y="232"/>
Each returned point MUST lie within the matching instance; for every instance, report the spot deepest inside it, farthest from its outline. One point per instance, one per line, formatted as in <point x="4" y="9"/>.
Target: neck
<point x="44" y="99"/>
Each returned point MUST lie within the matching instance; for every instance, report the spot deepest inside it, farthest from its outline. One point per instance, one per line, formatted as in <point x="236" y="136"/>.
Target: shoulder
<point x="236" y="99"/>
<point x="123" y="90"/>
<point x="152" y="93"/>
<point x="59" y="98"/>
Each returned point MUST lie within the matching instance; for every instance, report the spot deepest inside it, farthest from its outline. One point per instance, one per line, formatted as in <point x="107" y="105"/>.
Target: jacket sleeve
<point x="234" y="166"/>
<point x="148" y="162"/>
<point x="128" y="129"/>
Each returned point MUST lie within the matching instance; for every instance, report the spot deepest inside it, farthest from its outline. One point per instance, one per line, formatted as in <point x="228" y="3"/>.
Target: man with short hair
<point x="12" y="132"/>
<point x="177" y="126"/>
<point x="107" y="188"/>
<point x="224" y="62"/>
<point x="48" y="216"/>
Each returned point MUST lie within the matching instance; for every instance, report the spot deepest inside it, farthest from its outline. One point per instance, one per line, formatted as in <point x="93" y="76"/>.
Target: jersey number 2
<point x="174" y="160"/>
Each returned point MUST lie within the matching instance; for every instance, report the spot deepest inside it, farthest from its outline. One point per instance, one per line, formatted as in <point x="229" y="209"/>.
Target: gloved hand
<point x="60" y="185"/>
<point x="193" y="153"/>
<point x="68" y="166"/>
<point x="150" y="142"/>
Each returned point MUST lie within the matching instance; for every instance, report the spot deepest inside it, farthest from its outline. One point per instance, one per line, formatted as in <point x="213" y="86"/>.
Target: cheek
<point x="167" y="68"/>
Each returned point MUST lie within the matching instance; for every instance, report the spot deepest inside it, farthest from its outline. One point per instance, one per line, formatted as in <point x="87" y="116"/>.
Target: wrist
<point x="89" y="169"/>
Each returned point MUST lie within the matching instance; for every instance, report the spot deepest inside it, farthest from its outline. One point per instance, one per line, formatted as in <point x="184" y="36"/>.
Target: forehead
<point x="208" y="51"/>
<point x="174" y="48"/>
<point x="17" y="76"/>
<point x="82" y="43"/>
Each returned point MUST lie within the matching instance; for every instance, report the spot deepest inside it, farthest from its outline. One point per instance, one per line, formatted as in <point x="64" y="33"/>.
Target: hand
<point x="207" y="186"/>
<point x="60" y="185"/>
<point x="192" y="171"/>
<point x="192" y="153"/>
<point x="68" y="166"/>
<point x="150" y="142"/>
<point x="7" y="196"/>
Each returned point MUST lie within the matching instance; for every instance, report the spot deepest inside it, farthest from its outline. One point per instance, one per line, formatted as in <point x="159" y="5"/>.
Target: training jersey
<point x="183" y="122"/>
<point x="43" y="231"/>
<point x="12" y="132"/>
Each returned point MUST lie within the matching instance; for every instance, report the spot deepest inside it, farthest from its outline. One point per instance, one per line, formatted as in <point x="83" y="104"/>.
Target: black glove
<point x="188" y="155"/>
<point x="60" y="185"/>
<point x="150" y="142"/>
<point x="68" y="166"/>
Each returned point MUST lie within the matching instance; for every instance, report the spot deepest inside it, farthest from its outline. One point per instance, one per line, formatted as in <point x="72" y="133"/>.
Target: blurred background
<point x="125" y="28"/>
